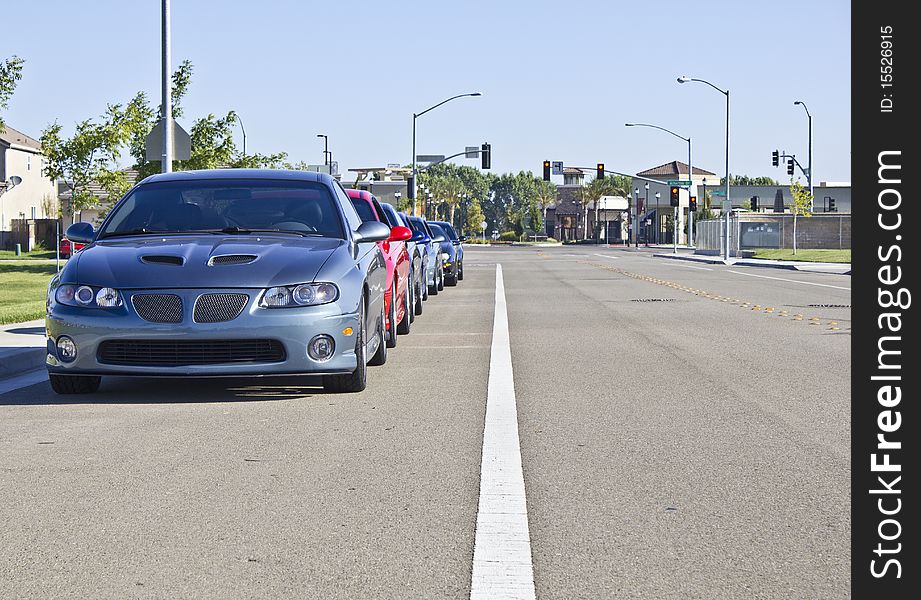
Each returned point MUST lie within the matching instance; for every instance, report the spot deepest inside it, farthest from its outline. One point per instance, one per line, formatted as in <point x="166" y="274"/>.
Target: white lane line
<point x="24" y="380"/>
<point x="837" y="287"/>
<point x="608" y="256"/>
<point x="502" y="548"/>
<point x="693" y="267"/>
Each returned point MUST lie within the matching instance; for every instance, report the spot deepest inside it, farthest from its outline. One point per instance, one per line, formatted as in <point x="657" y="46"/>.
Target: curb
<point x="750" y="263"/>
<point x="16" y="361"/>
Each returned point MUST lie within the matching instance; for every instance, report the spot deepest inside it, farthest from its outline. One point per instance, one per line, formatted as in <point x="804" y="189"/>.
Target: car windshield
<point x="227" y="206"/>
<point x="436" y="231"/>
<point x="363" y="207"/>
<point x="450" y="231"/>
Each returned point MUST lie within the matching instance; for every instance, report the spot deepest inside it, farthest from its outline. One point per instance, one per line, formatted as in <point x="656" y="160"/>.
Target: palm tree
<point x="546" y="195"/>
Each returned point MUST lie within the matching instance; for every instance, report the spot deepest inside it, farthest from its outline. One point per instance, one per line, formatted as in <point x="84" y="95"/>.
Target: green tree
<point x="801" y="205"/>
<point x="546" y="194"/>
<point x="746" y="180"/>
<point x="10" y="74"/>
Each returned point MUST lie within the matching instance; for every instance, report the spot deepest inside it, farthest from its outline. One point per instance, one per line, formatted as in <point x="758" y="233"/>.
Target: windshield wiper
<point x="234" y="230"/>
<point x="138" y="231"/>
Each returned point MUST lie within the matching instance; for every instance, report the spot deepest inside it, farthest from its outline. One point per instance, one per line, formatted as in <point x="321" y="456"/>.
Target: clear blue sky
<point x="559" y="79"/>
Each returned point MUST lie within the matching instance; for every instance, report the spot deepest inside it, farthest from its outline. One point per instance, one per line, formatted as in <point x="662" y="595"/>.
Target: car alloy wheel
<point x="404" y="326"/>
<point x="380" y="357"/>
<point x="392" y="320"/>
<point x="420" y="283"/>
<point x="411" y="290"/>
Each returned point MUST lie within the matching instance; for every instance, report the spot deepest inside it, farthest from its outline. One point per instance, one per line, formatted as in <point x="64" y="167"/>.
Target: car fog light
<point x="321" y="348"/>
<point x="67" y="349"/>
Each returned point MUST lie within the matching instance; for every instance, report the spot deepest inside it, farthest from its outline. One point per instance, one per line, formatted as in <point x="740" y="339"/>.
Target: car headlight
<point x="445" y="256"/>
<point x="306" y="294"/>
<point x="86" y="296"/>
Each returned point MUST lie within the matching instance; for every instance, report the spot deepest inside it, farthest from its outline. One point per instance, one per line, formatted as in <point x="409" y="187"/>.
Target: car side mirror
<point x="372" y="231"/>
<point x="438" y="238"/>
<point x="400" y="234"/>
<point x="82" y="233"/>
<point x="462" y="238"/>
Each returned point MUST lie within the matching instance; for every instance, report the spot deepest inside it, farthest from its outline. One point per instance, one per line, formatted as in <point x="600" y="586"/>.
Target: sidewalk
<point x="22" y="348"/>
<point x="811" y="267"/>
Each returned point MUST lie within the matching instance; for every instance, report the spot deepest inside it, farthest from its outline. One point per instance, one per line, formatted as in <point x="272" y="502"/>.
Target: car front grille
<point x="216" y="308"/>
<point x="158" y="308"/>
<point x="175" y="353"/>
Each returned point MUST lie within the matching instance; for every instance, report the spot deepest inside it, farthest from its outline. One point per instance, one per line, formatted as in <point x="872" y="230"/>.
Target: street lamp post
<point x="646" y="207"/>
<point x="416" y="116"/>
<point x="243" y="129"/>
<point x="636" y="220"/>
<point x="326" y="159"/>
<point x="690" y="173"/>
<point x="658" y="219"/>
<point x="809" y="177"/>
<point x="685" y="79"/>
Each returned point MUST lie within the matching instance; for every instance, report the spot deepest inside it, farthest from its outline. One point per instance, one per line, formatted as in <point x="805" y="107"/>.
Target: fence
<point x="763" y="230"/>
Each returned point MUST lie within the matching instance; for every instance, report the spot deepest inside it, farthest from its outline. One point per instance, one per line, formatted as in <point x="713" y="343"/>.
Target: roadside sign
<point x="334" y="167"/>
<point x="429" y="158"/>
<point x="471" y="151"/>
<point x="483" y="225"/>
<point x="718" y="192"/>
<point x="393" y="165"/>
<point x="679" y="182"/>
<point x="556" y="167"/>
<point x="727" y="205"/>
<point x="153" y="144"/>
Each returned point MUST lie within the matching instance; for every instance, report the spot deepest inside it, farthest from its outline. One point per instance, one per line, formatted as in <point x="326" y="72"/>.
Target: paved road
<point x="675" y="442"/>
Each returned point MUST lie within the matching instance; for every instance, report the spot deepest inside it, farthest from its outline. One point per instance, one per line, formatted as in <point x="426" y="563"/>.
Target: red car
<point x="67" y="248"/>
<point x="400" y="312"/>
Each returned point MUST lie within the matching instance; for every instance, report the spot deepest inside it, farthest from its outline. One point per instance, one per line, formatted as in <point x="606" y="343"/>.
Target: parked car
<point x="66" y="248"/>
<point x="448" y="254"/>
<point x="398" y="294"/>
<point x="457" y="268"/>
<point x="229" y="272"/>
<point x="418" y="256"/>
<point x="434" y="269"/>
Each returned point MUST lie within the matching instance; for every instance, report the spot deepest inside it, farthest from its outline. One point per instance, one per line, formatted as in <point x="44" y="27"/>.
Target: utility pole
<point x="166" y="161"/>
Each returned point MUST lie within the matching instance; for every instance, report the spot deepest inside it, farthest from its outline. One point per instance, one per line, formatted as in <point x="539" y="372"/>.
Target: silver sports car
<point x="221" y="273"/>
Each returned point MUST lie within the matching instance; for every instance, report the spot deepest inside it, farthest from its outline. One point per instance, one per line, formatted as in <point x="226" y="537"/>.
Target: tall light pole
<point x="646" y="207"/>
<point x="416" y="116"/>
<point x="809" y="177"/>
<point x="326" y="160"/>
<point x="690" y="173"/>
<point x="6" y="186"/>
<point x="658" y="218"/>
<point x="685" y="79"/>
<point x="636" y="221"/>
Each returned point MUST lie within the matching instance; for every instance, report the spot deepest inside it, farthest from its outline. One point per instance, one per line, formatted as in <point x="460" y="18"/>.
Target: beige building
<point x="34" y="197"/>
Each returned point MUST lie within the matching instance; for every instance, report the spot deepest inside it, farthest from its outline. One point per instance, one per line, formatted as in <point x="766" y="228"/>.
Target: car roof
<point x="273" y="174"/>
<point x="363" y="194"/>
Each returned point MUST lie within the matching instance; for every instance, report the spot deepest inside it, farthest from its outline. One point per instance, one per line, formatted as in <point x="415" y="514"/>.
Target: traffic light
<point x="831" y="205"/>
<point x="486" y="155"/>
<point x="546" y="170"/>
<point x="410" y="188"/>
<point x="673" y="195"/>
<point x="789" y="166"/>
<point x="754" y="203"/>
<point x="692" y="204"/>
<point x="775" y="158"/>
<point x="599" y="174"/>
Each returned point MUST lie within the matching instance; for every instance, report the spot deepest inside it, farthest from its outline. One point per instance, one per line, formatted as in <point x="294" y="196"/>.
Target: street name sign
<point x="429" y="158"/>
<point x="471" y="151"/>
<point x="679" y="182"/>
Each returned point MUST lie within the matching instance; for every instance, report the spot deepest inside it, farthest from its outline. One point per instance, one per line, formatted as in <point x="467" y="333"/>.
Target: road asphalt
<point x="684" y="433"/>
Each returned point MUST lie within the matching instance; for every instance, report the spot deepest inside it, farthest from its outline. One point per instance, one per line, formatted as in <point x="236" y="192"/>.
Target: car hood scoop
<point x="212" y="261"/>
<point x="156" y="259"/>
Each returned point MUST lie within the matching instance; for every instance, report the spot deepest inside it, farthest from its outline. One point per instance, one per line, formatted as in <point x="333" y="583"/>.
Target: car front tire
<point x="392" y="330"/>
<point x="380" y="357"/>
<point x="74" y="384"/>
<point x="404" y="326"/>
<point x="357" y="380"/>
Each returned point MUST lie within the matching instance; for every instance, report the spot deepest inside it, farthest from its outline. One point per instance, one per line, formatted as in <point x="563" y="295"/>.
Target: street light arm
<point x="803" y="104"/>
<point x="684" y="79"/>
<point x="415" y="115"/>
<point x="657" y="127"/>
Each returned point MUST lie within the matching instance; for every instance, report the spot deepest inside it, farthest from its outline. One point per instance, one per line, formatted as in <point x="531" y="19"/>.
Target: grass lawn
<point x="22" y="290"/>
<point x="41" y="254"/>
<point x="835" y="256"/>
